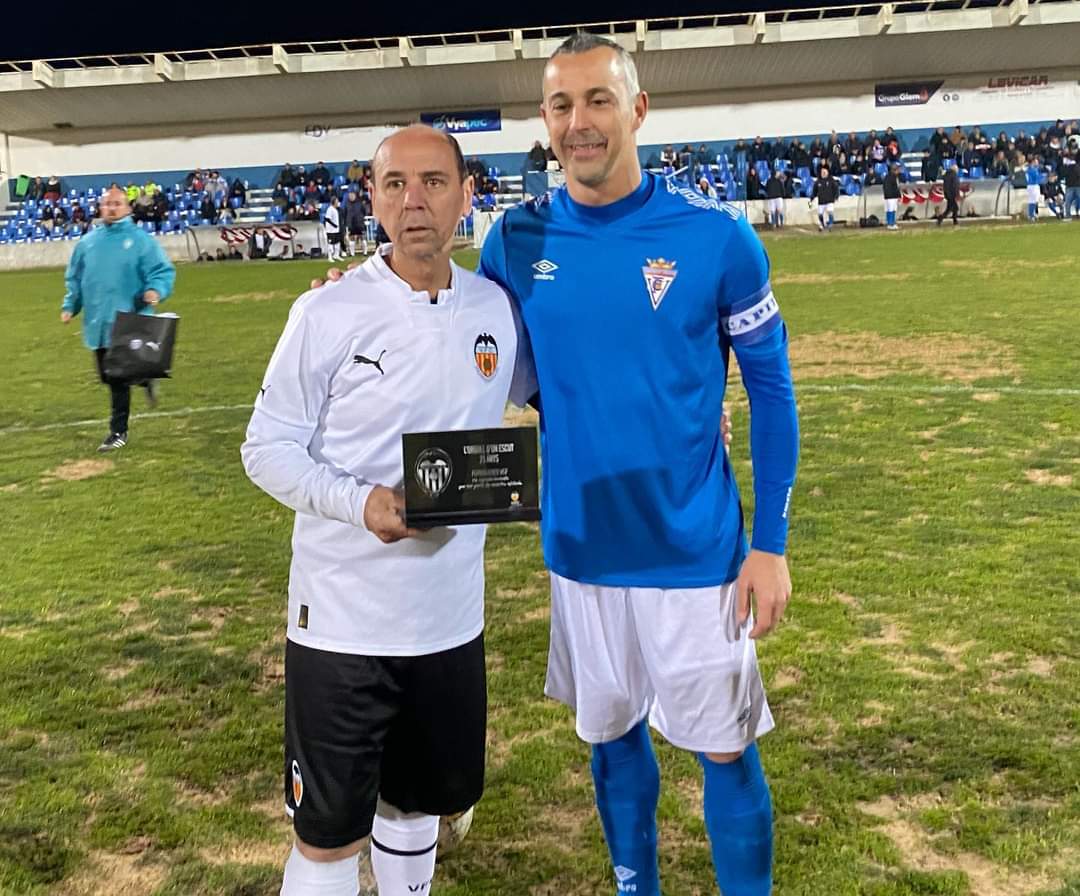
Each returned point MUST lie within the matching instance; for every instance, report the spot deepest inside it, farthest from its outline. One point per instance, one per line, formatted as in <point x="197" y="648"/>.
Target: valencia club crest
<point x="486" y="353"/>
<point x="659" y="274"/>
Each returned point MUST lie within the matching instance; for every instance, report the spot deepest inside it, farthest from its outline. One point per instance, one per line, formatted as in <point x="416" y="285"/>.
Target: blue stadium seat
<point x="73" y="194"/>
<point x="976" y="171"/>
<point x="494" y="172"/>
<point x="881" y="169"/>
<point x="235" y="202"/>
<point x="4" y="238"/>
<point x="167" y="227"/>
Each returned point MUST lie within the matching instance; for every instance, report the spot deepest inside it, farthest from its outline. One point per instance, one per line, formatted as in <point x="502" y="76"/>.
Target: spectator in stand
<point x="1002" y="143"/>
<point x="238" y="190"/>
<point x="54" y="218"/>
<point x="1054" y="195"/>
<point x="967" y="158"/>
<point x="856" y="165"/>
<point x="161" y="207"/>
<point x="705" y="188"/>
<point x="280" y="196"/>
<point x="834" y="140"/>
<point x="956" y="136"/>
<point x="477" y="169"/>
<point x="839" y="164"/>
<point x="877" y="152"/>
<point x="321" y="174"/>
<point x="150" y="188"/>
<point x="869" y="142"/>
<point x="800" y="156"/>
<point x="741" y="147"/>
<point x="891" y="137"/>
<point x="852" y="146"/>
<point x="355" y="172"/>
<point x="999" y="166"/>
<point x="891" y="190"/>
<point x="78" y="220"/>
<point x="312" y="192"/>
<point x="704" y="155"/>
<point x="287" y="177"/>
<point x="552" y="158"/>
<point x="667" y="157"/>
<point x="826" y="191"/>
<point x="753" y="184"/>
<point x="1072" y="185"/>
<point x="892" y="153"/>
<point x="931" y="164"/>
<point x="779" y="151"/>
<point x="195" y="181"/>
<point x="759" y="151"/>
<point x="54" y="189"/>
<point x="355" y="226"/>
<point x="817" y="149"/>
<point x="217" y="186"/>
<point x="208" y="210"/>
<point x="951" y="187"/>
<point x="537" y="157"/>
<point x="225" y="216"/>
<point x="938" y="142"/>
<point x="142" y="207"/>
<point x="36" y="190"/>
<point x="774" y="196"/>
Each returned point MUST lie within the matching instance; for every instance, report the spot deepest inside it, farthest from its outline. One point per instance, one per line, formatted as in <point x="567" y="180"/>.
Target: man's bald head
<point x="114" y="205"/>
<point x="419" y="132"/>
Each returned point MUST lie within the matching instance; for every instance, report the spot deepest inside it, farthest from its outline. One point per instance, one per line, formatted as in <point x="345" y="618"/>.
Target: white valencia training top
<point x="360" y="362"/>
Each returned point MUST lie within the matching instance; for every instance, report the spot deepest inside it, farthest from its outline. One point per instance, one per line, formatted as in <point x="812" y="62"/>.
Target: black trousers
<point x="121" y="394"/>
<point x="952" y="207"/>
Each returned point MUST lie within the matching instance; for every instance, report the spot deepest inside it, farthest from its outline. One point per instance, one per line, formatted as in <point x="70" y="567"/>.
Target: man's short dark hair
<point x="584" y="41"/>
<point x="459" y="159"/>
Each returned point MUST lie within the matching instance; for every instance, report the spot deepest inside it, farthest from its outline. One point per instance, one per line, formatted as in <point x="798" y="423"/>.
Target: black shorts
<point x="334" y="237"/>
<point x="357" y="230"/>
<point x="409" y="729"/>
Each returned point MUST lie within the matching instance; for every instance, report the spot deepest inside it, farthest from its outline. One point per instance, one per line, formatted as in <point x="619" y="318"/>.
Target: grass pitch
<point x="924" y="680"/>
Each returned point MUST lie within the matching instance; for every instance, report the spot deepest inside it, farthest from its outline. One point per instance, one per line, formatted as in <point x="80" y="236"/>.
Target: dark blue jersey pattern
<point x="633" y="310"/>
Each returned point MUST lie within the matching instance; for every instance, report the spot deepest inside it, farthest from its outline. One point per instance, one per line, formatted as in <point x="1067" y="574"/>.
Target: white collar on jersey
<point x="384" y="271"/>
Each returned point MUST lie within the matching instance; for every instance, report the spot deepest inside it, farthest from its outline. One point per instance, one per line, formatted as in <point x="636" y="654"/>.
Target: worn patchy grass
<point x="924" y="681"/>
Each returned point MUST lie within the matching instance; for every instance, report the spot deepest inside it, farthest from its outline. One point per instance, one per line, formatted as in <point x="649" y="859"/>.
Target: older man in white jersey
<point x="385" y="691"/>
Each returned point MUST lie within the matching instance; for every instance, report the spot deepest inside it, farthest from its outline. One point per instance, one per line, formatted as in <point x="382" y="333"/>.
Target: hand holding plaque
<point x="471" y="476"/>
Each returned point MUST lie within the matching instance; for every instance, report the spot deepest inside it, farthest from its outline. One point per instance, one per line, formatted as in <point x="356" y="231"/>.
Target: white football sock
<point x="403" y="850"/>
<point x="303" y="877"/>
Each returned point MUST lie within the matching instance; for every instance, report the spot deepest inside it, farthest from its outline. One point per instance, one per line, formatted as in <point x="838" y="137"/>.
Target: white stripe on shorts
<point x="675" y="655"/>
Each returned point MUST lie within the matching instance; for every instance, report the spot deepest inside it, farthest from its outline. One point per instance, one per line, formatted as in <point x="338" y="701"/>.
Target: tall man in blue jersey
<point x="634" y="292"/>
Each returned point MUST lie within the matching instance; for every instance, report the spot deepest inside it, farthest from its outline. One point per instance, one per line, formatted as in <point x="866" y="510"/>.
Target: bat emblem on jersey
<point x="486" y="352"/>
<point x="433" y="471"/>
<point x="377" y="363"/>
<point x="659" y="274"/>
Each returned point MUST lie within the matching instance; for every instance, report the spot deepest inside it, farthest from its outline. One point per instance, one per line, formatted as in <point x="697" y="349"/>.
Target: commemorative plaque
<point x="471" y="476"/>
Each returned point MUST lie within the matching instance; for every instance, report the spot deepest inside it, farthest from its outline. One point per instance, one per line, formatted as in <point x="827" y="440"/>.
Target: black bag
<point x="141" y="347"/>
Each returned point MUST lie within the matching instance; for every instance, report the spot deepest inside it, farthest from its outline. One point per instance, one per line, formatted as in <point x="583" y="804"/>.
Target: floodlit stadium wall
<point x="995" y="100"/>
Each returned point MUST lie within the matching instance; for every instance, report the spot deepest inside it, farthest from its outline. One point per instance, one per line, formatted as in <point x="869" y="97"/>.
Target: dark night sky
<point x="86" y="29"/>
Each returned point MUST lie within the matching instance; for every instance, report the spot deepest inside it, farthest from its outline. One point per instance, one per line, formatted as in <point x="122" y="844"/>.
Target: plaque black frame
<point x="461" y="477"/>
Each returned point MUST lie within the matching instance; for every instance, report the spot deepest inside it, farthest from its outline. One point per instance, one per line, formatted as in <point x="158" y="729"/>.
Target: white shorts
<point x="826" y="209"/>
<point x="891" y="204"/>
<point x="679" y="657"/>
<point x="1034" y="194"/>
<point x="777" y="204"/>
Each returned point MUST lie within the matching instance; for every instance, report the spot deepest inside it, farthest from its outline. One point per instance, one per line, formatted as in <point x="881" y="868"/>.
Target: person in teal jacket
<point x="117" y="267"/>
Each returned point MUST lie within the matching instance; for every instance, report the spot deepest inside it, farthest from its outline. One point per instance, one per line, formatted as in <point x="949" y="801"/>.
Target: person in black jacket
<point x="753" y="184"/>
<point x="774" y="194"/>
<point x="1072" y="185"/>
<point x="891" y="188"/>
<point x="951" y="188"/>
<point x="826" y="191"/>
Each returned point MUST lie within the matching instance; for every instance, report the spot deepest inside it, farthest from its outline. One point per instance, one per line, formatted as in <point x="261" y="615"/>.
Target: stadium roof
<point x="397" y="77"/>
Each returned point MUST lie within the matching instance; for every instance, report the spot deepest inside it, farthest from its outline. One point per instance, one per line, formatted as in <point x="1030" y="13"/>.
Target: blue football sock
<point x="831" y="219"/>
<point x="627" y="781"/>
<point x="738" y="817"/>
<point x="890" y="218"/>
<point x="1032" y="210"/>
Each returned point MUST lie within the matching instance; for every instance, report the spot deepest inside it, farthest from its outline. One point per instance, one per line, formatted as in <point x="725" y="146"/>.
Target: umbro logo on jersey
<point x="545" y="270"/>
<point x="377" y="363"/>
<point x="622" y="875"/>
<point x="744" y="716"/>
<point x="486" y="353"/>
<point x="659" y="274"/>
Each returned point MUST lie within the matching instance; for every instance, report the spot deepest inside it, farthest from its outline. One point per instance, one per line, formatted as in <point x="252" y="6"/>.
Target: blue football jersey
<point x="632" y="310"/>
<point x="1032" y="174"/>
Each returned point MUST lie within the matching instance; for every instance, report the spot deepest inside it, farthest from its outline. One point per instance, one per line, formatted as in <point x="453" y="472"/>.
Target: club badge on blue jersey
<point x="486" y="352"/>
<point x="659" y="274"/>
